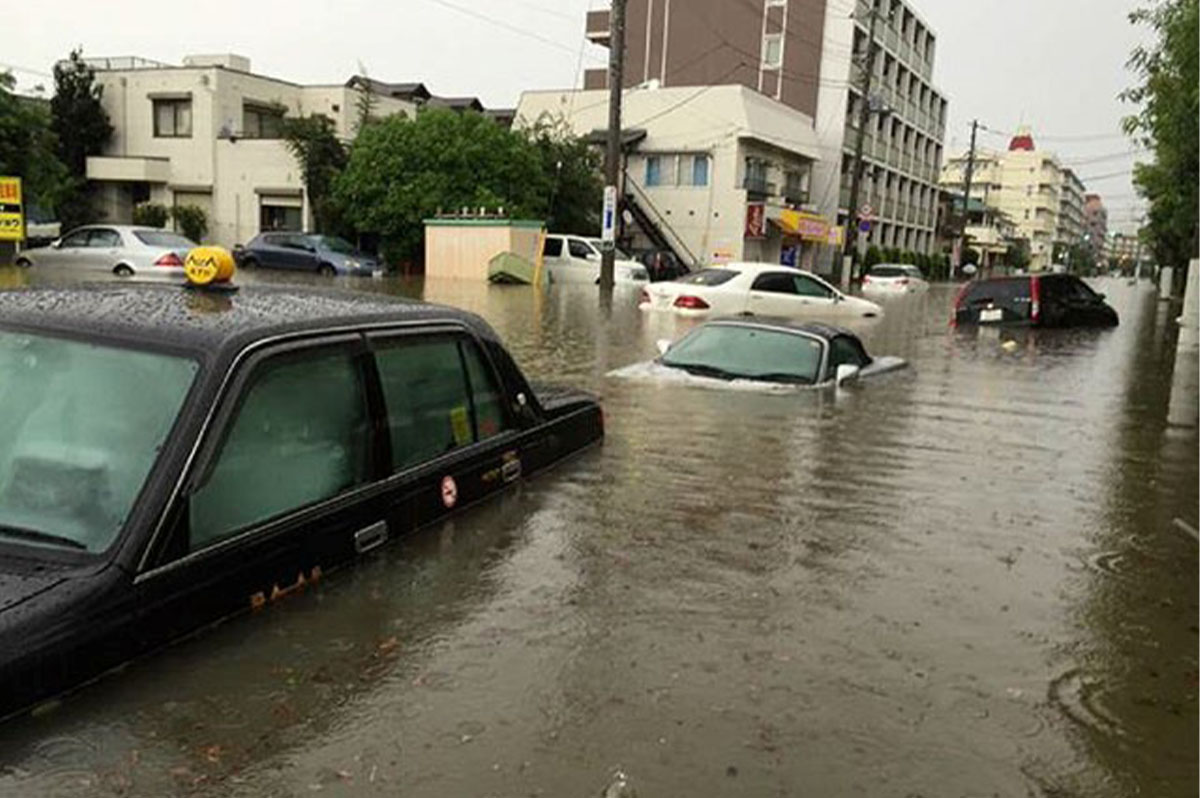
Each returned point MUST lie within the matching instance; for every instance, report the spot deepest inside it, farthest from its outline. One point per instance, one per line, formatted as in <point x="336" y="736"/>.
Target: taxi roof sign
<point x="208" y="266"/>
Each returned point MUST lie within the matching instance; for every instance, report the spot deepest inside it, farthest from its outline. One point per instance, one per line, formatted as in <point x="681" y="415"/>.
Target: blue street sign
<point x="864" y="226"/>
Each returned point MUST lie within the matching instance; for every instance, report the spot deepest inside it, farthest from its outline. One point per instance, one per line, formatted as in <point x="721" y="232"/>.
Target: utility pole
<point x="962" y="246"/>
<point x="612" y="160"/>
<point x="850" y="253"/>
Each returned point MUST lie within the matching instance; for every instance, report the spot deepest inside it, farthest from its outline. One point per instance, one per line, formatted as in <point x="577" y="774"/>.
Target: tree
<point x="191" y="220"/>
<point x="151" y="214"/>
<point x="1018" y="254"/>
<point x="573" y="168"/>
<point x="1168" y="100"/>
<point x="313" y="142"/>
<point x="28" y="148"/>
<point x="81" y="126"/>
<point x="401" y="172"/>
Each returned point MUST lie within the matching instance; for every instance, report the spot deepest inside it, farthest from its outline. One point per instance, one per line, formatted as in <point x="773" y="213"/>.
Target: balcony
<point x="795" y="194"/>
<point x="123" y="169"/>
<point x="598" y="27"/>
<point x="757" y="184"/>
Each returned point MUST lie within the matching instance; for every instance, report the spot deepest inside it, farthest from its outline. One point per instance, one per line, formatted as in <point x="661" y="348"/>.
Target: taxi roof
<point x="206" y="321"/>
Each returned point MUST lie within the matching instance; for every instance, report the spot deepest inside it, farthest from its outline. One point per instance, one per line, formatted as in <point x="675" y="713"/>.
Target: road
<point x="965" y="579"/>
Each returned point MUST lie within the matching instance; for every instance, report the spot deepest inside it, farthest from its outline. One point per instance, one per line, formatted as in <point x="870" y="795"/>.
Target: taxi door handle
<point x="371" y="537"/>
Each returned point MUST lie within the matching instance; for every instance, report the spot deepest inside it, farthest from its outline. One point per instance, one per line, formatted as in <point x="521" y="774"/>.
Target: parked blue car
<point x="306" y="252"/>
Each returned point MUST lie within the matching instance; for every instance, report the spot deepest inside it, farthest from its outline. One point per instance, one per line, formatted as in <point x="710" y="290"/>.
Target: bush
<point x="191" y="220"/>
<point x="151" y="214"/>
<point x="872" y="257"/>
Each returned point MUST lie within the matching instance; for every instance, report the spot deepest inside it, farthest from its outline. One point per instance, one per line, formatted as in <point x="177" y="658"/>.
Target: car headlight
<point x="353" y="264"/>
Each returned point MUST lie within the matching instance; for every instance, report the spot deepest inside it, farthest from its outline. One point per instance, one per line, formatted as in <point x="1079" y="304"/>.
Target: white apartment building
<point x="207" y="133"/>
<point x="1044" y="200"/>
<point x="905" y="130"/>
<point x="723" y="173"/>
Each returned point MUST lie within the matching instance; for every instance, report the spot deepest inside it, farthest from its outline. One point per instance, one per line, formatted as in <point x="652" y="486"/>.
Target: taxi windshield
<point x="81" y="427"/>
<point x="733" y="351"/>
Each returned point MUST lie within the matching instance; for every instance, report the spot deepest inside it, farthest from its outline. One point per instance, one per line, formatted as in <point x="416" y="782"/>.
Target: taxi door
<point x="283" y="489"/>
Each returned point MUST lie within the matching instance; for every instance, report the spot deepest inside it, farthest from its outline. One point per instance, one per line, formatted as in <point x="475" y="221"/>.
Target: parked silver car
<point x="123" y="250"/>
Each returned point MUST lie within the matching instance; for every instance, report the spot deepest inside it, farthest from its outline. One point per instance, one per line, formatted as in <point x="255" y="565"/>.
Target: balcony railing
<point x="795" y="194"/>
<point x="756" y="184"/>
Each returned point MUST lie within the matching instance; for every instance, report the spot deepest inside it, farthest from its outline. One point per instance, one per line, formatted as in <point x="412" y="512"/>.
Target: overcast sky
<point x="1056" y="65"/>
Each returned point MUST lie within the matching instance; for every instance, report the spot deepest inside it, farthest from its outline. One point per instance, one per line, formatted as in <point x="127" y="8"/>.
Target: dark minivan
<point x="1039" y="300"/>
<point x="172" y="456"/>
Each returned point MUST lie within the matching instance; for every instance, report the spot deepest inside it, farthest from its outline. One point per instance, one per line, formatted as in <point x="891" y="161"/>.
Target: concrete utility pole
<point x="962" y="246"/>
<point x="612" y="159"/>
<point x="850" y="254"/>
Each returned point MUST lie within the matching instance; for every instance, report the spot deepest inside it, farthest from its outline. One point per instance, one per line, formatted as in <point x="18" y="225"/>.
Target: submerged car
<point x="171" y="456"/>
<point x="893" y="279"/>
<point x="122" y="250"/>
<point x="1037" y="300"/>
<point x="576" y="259"/>
<point x="755" y="289"/>
<point x="777" y="351"/>
<point x="305" y="252"/>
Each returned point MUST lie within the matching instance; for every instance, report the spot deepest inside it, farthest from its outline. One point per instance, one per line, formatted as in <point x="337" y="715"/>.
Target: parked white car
<point x="893" y="279"/>
<point x="576" y="259"/>
<point x="123" y="250"/>
<point x="757" y="289"/>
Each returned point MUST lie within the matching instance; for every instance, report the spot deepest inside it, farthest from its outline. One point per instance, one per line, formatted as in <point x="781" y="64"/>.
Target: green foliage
<point x="573" y="169"/>
<point x="81" y="127"/>
<point x="321" y="156"/>
<point x="28" y="148"/>
<point x="1168" y="97"/>
<point x="1018" y="254"/>
<point x="151" y="214"/>
<point x="191" y="221"/>
<point x="874" y="255"/>
<point x="402" y="171"/>
<point x="971" y="256"/>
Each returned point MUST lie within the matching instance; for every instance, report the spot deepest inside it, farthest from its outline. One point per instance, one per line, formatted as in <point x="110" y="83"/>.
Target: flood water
<point x="969" y="578"/>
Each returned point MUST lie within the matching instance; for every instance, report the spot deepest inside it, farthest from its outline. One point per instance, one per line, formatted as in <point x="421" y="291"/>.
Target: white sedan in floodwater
<point x="755" y="289"/>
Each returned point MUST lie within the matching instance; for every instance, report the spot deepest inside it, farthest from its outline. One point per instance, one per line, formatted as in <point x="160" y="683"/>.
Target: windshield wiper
<point x="26" y="533"/>
<point x="705" y="371"/>
<point x="782" y="376"/>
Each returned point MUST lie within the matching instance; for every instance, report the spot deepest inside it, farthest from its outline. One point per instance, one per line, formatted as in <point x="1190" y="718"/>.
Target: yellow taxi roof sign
<point x="207" y="265"/>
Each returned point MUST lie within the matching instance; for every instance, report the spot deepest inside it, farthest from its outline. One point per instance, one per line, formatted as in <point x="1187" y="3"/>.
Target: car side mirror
<point x="56" y="243"/>
<point x="1101" y="297"/>
<point x="663" y="345"/>
<point x="845" y="373"/>
<point x="838" y="297"/>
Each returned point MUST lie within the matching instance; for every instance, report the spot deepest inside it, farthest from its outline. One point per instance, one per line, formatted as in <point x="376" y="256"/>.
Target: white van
<point x="576" y="259"/>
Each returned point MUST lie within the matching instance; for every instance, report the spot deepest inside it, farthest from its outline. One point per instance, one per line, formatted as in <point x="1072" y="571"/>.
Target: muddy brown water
<point x="965" y="579"/>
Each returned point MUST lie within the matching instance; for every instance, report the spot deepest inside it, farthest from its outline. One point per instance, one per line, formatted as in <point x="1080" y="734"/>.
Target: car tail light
<point x="1035" y="293"/>
<point x="691" y="303"/>
<point x="170" y="259"/>
<point x="866" y="279"/>
<point x="644" y="299"/>
<point x="902" y="281"/>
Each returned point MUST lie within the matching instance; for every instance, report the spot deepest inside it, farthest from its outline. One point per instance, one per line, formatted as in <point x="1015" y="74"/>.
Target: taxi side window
<point x="431" y="408"/>
<point x="300" y="435"/>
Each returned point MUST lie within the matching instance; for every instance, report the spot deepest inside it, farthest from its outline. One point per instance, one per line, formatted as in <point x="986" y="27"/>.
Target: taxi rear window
<point x="81" y="429"/>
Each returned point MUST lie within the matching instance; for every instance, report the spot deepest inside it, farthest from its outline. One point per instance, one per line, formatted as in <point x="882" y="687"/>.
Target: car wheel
<point x="24" y="263"/>
<point x="326" y="270"/>
<point x="123" y="271"/>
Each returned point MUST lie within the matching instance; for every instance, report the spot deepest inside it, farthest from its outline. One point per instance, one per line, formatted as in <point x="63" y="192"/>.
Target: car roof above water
<point x="208" y="320"/>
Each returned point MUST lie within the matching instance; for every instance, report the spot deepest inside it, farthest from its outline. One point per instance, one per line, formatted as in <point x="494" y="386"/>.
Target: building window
<point x="261" y="122"/>
<point x="772" y="51"/>
<point x="172" y="119"/>
<point x="699" y="170"/>
<point x="280" y="217"/>
<point x="654" y="170"/>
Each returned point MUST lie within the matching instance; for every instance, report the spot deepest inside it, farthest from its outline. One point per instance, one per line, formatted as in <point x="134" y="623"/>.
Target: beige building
<point x="1044" y="200"/>
<point x="712" y="172"/>
<point x="207" y="133"/>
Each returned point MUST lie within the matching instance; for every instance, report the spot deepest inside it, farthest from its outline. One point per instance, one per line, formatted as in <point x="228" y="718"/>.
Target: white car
<point x="893" y="279"/>
<point x="756" y="289"/>
<point x="123" y="250"/>
<point x="576" y="259"/>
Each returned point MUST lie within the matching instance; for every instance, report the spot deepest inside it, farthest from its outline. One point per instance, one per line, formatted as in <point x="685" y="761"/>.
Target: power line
<point x="502" y="24"/>
<point x="27" y="70"/>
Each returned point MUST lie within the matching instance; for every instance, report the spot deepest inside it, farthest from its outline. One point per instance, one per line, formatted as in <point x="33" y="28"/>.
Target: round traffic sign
<point x="864" y="225"/>
<point x="866" y="210"/>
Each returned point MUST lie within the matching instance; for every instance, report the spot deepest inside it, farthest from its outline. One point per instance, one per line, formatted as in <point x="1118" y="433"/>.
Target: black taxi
<point x="172" y="456"/>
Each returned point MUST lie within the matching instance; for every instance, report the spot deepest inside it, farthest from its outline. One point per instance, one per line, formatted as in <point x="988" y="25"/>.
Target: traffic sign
<point x="864" y="225"/>
<point x="866" y="212"/>
<point x="608" y="229"/>
<point x="12" y="217"/>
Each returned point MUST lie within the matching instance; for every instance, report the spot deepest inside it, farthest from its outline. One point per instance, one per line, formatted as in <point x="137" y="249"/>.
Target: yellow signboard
<point x="12" y="218"/>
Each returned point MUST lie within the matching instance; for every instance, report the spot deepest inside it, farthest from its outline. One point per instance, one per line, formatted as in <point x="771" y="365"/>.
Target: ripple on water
<point x="1080" y="696"/>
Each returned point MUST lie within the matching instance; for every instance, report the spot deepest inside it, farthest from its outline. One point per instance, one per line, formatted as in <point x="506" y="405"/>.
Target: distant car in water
<point x="755" y="289"/>
<point x="778" y="351"/>
<point x="306" y="252"/>
<point x="123" y="250"/>
<point x="1038" y="300"/>
<point x="576" y="259"/>
<point x="893" y="279"/>
<point x="661" y="264"/>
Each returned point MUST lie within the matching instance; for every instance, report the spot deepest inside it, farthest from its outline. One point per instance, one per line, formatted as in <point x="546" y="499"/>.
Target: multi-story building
<point x="1095" y="217"/>
<point x="906" y="123"/>
<point x="1043" y="199"/>
<point x="207" y="133"/>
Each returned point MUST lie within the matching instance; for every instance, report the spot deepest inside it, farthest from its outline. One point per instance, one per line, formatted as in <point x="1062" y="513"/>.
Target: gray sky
<point x="1056" y="65"/>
